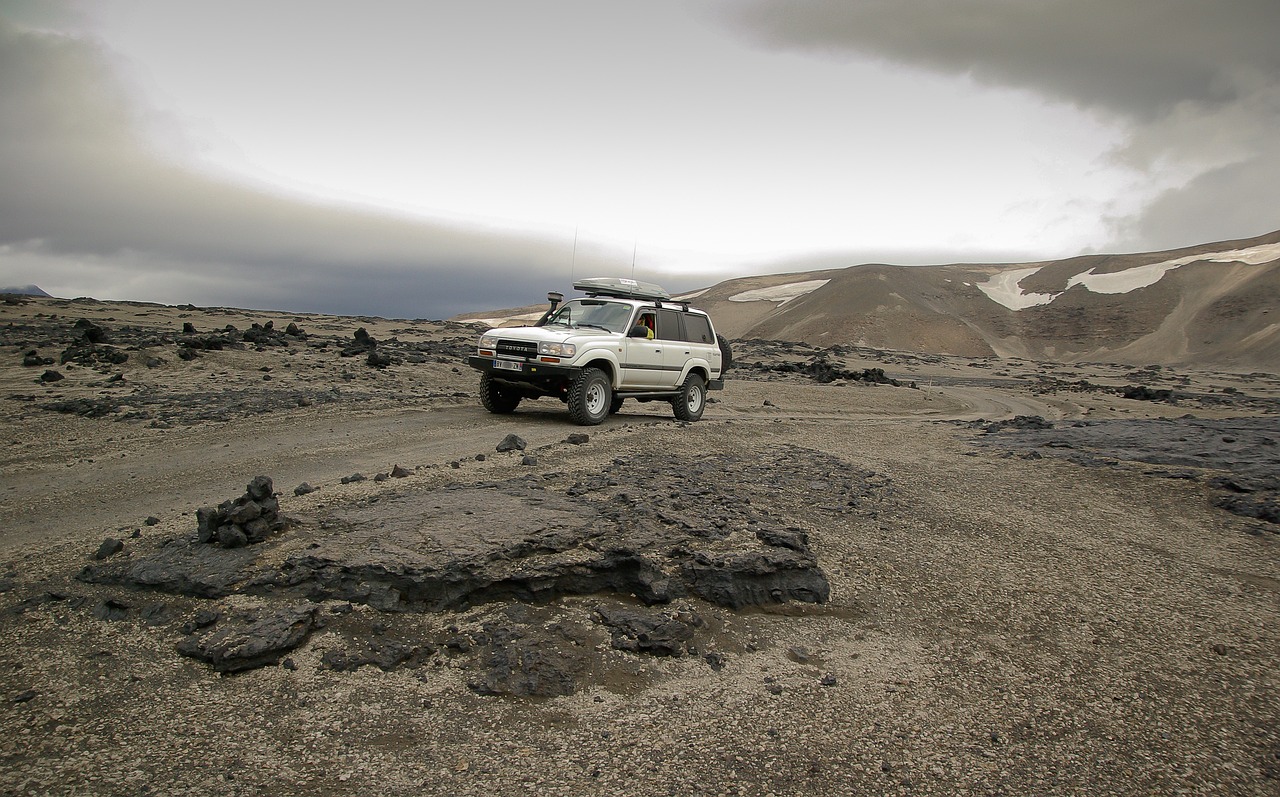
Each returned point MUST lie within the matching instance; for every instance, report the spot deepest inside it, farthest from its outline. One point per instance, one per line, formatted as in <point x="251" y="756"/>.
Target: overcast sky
<point x="422" y="158"/>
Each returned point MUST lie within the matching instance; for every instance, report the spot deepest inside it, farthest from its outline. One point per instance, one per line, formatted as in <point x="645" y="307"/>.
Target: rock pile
<point x="251" y="518"/>
<point x="91" y="347"/>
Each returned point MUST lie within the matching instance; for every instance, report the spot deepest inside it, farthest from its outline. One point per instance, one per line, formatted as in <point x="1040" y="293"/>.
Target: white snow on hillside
<point x="779" y="293"/>
<point x="1141" y="276"/>
<point x="1004" y="288"/>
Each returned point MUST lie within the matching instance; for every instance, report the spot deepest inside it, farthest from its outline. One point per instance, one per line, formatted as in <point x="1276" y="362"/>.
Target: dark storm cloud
<point x="1136" y="57"/>
<point x="80" y="192"/>
<point x="1194" y="81"/>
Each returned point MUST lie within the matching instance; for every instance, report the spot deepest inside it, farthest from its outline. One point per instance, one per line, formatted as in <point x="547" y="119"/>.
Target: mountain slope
<point x="1213" y="304"/>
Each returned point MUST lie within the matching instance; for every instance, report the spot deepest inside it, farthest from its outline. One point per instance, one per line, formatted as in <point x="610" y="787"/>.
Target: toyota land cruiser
<point x="624" y="339"/>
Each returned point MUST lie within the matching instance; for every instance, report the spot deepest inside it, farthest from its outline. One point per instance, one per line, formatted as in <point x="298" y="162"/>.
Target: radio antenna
<point x="634" y="244"/>
<point x="574" y="260"/>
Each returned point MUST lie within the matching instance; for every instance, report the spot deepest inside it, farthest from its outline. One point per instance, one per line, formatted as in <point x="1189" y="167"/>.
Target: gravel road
<point x="1001" y="620"/>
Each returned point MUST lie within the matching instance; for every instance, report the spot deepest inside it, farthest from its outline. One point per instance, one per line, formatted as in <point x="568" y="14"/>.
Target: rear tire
<point x="590" y="397"/>
<point x="495" y="398"/>
<point x="689" y="404"/>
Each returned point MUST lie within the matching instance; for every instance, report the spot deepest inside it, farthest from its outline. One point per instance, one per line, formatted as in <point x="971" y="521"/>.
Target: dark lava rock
<point x="303" y="489"/>
<point x="181" y="567"/>
<point x="109" y="547"/>
<point x="512" y="442"/>
<point x="251" y="518"/>
<point x="385" y="656"/>
<point x="32" y="359"/>
<point x="362" y="344"/>
<point x="524" y="666"/>
<point x="1241" y="448"/>
<point x="378" y="359"/>
<point x="578" y="438"/>
<point x="795" y="539"/>
<point x="51" y="376"/>
<point x="659" y="633"/>
<point x="110" y="609"/>
<point x="353" y="478"/>
<point x="1016" y="422"/>
<point x="400" y="472"/>
<point x="247" y="640"/>
<point x="90" y="347"/>
<point x="1144" y="393"/>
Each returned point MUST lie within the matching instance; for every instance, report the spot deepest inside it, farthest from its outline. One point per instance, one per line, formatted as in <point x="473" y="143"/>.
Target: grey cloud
<point x="1137" y="57"/>
<point x="1193" y="82"/>
<point x="82" y="194"/>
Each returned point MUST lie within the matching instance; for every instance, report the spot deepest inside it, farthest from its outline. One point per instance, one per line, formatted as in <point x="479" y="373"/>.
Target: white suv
<point x="625" y="339"/>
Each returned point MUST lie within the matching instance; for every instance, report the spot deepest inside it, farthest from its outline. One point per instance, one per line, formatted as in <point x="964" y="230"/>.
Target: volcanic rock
<point x="250" y="639"/>
<point x="247" y="519"/>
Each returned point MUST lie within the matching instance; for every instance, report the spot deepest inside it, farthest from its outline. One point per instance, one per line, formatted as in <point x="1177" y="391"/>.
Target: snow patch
<point x="779" y="293"/>
<point x="1003" y="289"/>
<point x="1141" y="276"/>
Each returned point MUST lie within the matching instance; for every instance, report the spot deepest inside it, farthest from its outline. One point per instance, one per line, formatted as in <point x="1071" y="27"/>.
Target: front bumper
<point x="545" y="377"/>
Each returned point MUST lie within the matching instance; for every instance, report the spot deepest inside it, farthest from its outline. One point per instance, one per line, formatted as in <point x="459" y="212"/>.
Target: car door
<point x="675" y="350"/>
<point x="642" y="359"/>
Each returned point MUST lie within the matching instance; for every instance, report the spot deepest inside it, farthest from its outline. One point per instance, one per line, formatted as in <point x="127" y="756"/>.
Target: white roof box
<point x="620" y="288"/>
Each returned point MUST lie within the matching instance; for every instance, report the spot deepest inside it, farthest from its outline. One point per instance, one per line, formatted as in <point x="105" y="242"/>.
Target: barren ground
<point x="1068" y="610"/>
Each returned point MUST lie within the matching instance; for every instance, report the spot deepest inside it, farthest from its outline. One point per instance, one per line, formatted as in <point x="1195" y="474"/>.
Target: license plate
<point x="507" y="365"/>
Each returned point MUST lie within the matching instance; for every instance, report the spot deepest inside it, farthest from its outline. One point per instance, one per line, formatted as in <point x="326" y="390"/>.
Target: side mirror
<point x="638" y="331"/>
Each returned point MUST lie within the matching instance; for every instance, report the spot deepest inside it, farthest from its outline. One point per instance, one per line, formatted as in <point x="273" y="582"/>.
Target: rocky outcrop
<point x="250" y="639"/>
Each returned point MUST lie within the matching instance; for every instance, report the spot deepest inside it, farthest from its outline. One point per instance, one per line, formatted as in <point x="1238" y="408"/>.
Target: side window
<point x="669" y="326"/>
<point x="696" y="329"/>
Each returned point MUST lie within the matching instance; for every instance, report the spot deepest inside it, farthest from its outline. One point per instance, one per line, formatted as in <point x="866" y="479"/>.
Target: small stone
<point x="400" y="472"/>
<point x="25" y="697"/>
<point x="828" y="680"/>
<point x="152" y="521"/>
<point x="353" y="478"/>
<point x="512" y="442"/>
<point x="303" y="489"/>
<point x="528" y="460"/>
<point x="51" y="376"/>
<point x="109" y="547"/>
<point x="578" y="438"/>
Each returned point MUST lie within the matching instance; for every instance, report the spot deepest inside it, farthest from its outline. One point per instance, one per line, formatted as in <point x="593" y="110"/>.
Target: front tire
<point x="590" y="397"/>
<point x="689" y="404"/>
<point x="495" y="398"/>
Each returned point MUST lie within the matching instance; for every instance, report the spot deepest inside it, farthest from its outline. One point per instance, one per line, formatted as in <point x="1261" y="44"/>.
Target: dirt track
<point x="999" y="623"/>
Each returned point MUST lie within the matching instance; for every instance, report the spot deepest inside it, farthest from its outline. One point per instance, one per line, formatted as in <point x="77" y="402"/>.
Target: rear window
<point x="696" y="329"/>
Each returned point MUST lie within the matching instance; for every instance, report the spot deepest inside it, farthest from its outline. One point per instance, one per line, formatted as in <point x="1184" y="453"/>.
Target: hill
<point x="1207" y="305"/>
<point x="25" y="290"/>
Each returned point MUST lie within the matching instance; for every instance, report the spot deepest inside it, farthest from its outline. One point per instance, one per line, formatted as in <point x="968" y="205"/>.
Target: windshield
<point x="594" y="313"/>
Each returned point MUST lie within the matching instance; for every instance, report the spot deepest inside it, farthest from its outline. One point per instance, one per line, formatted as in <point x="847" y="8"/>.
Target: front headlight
<point x="488" y="341"/>
<point x="557" y="349"/>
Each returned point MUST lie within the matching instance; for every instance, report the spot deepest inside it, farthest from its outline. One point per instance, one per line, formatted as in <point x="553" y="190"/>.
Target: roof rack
<point x="620" y="288"/>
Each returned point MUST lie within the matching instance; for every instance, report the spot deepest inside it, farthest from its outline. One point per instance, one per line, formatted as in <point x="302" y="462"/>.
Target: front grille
<point x="517" y="348"/>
